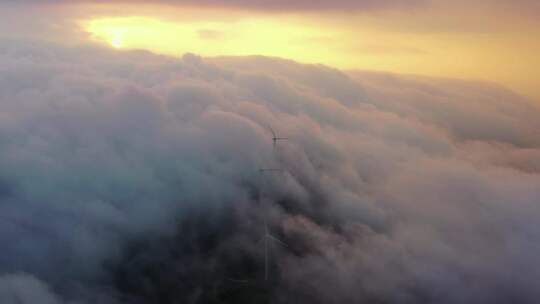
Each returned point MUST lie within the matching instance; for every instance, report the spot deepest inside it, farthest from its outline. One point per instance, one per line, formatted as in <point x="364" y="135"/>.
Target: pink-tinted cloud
<point x="139" y="176"/>
<point x="270" y="5"/>
<point x="529" y="6"/>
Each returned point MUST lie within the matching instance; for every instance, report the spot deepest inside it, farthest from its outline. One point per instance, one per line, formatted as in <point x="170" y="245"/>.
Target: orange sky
<point x="490" y="40"/>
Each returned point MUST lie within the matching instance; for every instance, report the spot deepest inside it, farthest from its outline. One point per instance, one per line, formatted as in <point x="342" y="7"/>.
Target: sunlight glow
<point x="244" y="37"/>
<point x="117" y="42"/>
<point x="310" y="39"/>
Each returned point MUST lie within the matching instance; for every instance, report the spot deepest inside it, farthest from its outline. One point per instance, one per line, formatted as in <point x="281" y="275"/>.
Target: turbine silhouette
<point x="268" y="238"/>
<point x="275" y="138"/>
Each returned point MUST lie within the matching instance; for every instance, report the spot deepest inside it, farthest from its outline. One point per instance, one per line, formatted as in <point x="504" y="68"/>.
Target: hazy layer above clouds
<point x="526" y="6"/>
<point x="127" y="177"/>
<point x="487" y="39"/>
<point x="271" y="5"/>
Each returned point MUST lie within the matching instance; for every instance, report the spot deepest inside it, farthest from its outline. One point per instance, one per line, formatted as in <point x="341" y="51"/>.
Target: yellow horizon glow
<point x="245" y="37"/>
<point x="497" y="57"/>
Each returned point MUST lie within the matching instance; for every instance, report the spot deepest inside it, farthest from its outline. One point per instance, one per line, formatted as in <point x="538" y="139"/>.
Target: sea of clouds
<point x="127" y="177"/>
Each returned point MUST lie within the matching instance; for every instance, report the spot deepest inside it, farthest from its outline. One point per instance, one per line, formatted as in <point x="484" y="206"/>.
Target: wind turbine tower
<point x="268" y="237"/>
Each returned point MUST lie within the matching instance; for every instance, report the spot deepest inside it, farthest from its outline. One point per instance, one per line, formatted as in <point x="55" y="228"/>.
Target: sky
<point x="491" y="40"/>
<point x="132" y="138"/>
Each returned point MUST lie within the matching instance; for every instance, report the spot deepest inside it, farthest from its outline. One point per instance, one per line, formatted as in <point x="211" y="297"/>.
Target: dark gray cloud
<point x="127" y="177"/>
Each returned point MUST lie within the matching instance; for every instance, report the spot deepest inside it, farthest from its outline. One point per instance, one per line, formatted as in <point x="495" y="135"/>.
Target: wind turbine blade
<point x="271" y="170"/>
<point x="277" y="240"/>
<point x="272" y="130"/>
<point x="238" y="281"/>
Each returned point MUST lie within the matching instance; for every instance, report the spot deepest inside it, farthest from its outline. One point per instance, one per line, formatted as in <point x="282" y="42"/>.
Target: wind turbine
<point x="275" y="138"/>
<point x="268" y="237"/>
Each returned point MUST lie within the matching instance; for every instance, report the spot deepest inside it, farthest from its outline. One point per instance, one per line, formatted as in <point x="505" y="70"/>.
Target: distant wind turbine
<point x="268" y="237"/>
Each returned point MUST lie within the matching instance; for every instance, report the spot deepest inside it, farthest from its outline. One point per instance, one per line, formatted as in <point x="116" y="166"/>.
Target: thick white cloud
<point x="125" y="173"/>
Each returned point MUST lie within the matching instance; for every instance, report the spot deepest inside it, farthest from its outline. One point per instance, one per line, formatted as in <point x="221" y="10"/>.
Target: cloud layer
<point x="127" y="177"/>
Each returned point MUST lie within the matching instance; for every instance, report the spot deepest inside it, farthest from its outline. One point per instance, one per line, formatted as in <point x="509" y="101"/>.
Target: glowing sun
<point x="117" y="42"/>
